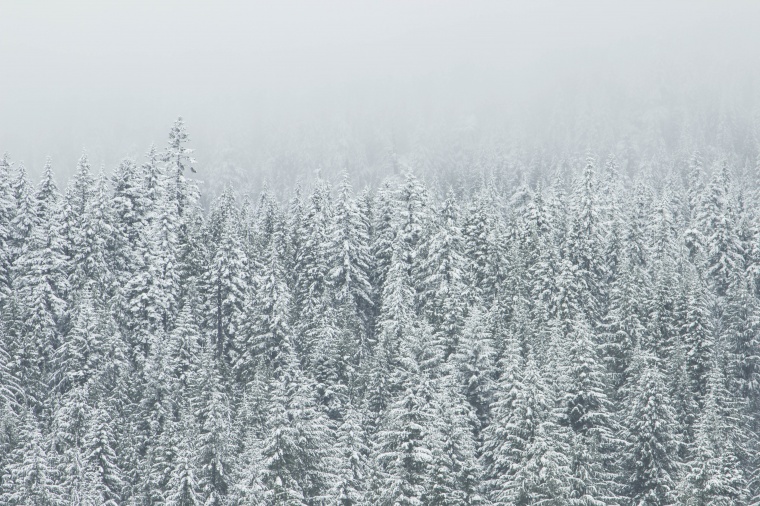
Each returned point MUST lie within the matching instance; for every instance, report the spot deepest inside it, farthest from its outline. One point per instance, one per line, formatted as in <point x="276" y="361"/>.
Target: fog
<point x="278" y="90"/>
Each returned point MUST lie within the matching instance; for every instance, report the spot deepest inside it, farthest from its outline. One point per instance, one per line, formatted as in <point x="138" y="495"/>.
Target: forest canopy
<point x="578" y="330"/>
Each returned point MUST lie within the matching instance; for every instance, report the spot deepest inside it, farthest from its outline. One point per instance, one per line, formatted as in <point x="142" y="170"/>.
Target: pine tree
<point x="184" y="349"/>
<point x="714" y="472"/>
<point x="23" y="220"/>
<point x="93" y="241"/>
<point x="413" y="226"/>
<point x="266" y="221"/>
<point x="30" y="478"/>
<point x="445" y="290"/>
<point x="155" y="428"/>
<point x="349" y="253"/>
<point x="584" y="241"/>
<point x="265" y="336"/>
<point x="397" y="307"/>
<point x="11" y="396"/>
<point x="212" y="411"/>
<point x="177" y="159"/>
<point x="742" y="321"/>
<point x="248" y="487"/>
<point x="130" y="205"/>
<point x="402" y="448"/>
<point x="105" y="478"/>
<point x="651" y="457"/>
<point x="11" y="391"/>
<point x="184" y="489"/>
<point x="624" y="324"/>
<point x="475" y="366"/>
<point x="295" y="464"/>
<point x="82" y="348"/>
<point x="78" y="197"/>
<point x="353" y="467"/>
<point x="225" y="282"/>
<point x="331" y="363"/>
<point x="525" y="449"/>
<point x="7" y="204"/>
<point x="723" y="252"/>
<point x="478" y="231"/>
<point x="385" y="230"/>
<point x="157" y="290"/>
<point x="135" y="194"/>
<point x="293" y="235"/>
<point x="456" y="474"/>
<point x="697" y="333"/>
<point x="589" y="414"/>
<point x="41" y="290"/>
<point x="312" y="266"/>
<point x="70" y="422"/>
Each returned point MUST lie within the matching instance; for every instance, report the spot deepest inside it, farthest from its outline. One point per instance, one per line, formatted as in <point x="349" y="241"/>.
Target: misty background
<point x="277" y="91"/>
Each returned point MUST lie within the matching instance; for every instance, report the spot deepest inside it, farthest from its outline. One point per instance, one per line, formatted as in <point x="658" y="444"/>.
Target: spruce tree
<point x="403" y="447"/>
<point x="105" y="478"/>
<point x="349" y="254"/>
<point x="353" y="469"/>
<point x="651" y="456"/>
<point x="30" y="477"/>
<point x="444" y="270"/>
<point x="714" y="474"/>
<point x="211" y="408"/>
<point x="295" y="462"/>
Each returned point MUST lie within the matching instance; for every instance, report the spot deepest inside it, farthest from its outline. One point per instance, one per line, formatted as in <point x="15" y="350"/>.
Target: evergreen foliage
<point x="585" y="339"/>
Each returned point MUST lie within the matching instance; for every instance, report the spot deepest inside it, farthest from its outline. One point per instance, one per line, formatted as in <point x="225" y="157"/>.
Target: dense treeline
<point x="590" y="339"/>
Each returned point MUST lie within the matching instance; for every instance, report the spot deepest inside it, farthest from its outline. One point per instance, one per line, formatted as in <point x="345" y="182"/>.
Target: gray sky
<point x="112" y="76"/>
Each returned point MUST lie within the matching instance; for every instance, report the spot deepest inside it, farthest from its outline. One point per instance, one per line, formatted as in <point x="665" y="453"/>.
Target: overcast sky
<point x="111" y="76"/>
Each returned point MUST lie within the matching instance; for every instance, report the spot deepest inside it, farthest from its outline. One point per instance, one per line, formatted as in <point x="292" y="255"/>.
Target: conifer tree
<point x="82" y="348"/>
<point x="741" y="328"/>
<point x="589" y="414"/>
<point x="349" y="255"/>
<point x="445" y="289"/>
<point x="525" y="449"/>
<point x="130" y="204"/>
<point x="723" y="252"/>
<point x="157" y="289"/>
<point x="584" y="241"/>
<point x="402" y="448"/>
<point x="312" y="265"/>
<point x="184" y="349"/>
<point x="105" y="478"/>
<point x="651" y="457"/>
<point x="41" y="291"/>
<point x="353" y="467"/>
<point x="29" y="478"/>
<point x="92" y="257"/>
<point x="714" y="473"/>
<point x="24" y="217"/>
<point x="478" y="231"/>
<point x="156" y="432"/>
<point x="456" y="475"/>
<point x="70" y="422"/>
<point x="265" y="336"/>
<point x="475" y="363"/>
<point x="177" y="159"/>
<point x="225" y="281"/>
<point x="385" y="230"/>
<point x="183" y="489"/>
<point x="7" y="205"/>
<point x="212" y="411"/>
<point x="295" y="463"/>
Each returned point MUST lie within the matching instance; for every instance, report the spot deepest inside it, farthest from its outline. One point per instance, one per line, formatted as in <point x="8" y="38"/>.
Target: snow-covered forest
<point x="590" y="336"/>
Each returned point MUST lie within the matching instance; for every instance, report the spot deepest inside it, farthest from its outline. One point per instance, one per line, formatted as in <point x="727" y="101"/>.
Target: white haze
<point x="258" y="80"/>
